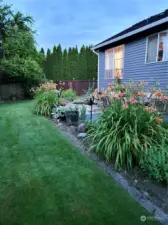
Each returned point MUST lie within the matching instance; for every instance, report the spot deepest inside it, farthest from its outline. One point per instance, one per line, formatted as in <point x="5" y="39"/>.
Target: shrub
<point x="125" y="130"/>
<point x="154" y="161"/>
<point x="44" y="102"/>
<point x="61" y="111"/>
<point x="89" y="91"/>
<point x="69" y="94"/>
<point x="44" y="87"/>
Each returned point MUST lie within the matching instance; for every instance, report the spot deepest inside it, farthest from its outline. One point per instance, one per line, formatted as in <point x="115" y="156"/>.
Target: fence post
<point x="73" y="83"/>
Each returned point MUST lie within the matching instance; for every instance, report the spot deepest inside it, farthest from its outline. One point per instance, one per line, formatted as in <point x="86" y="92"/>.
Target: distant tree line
<point x="68" y="64"/>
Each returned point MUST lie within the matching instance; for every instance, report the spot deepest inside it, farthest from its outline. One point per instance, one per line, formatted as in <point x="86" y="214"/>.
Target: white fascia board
<point x="159" y="22"/>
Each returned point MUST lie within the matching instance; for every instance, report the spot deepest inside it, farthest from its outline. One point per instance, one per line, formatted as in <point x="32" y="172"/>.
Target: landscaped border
<point x="140" y="197"/>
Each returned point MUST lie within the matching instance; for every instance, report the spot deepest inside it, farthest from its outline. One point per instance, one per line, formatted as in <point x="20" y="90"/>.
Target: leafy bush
<point x="60" y="111"/>
<point x="89" y="91"/>
<point x="154" y="161"/>
<point x="69" y="94"/>
<point x="44" y="102"/>
<point x="44" y="87"/>
<point x="125" y="130"/>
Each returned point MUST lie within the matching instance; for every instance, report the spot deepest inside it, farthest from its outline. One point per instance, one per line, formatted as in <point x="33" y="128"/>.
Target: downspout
<point x="97" y="69"/>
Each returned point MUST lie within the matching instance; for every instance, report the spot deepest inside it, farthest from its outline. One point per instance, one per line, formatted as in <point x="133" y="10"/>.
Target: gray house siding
<point x="135" y="67"/>
<point x="102" y="82"/>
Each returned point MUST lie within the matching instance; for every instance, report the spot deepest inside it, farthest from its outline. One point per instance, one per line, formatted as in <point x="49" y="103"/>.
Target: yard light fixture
<point x="91" y="103"/>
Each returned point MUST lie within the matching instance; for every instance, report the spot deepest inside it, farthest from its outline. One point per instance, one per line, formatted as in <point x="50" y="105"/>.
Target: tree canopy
<point x="71" y="63"/>
<point x="20" y="56"/>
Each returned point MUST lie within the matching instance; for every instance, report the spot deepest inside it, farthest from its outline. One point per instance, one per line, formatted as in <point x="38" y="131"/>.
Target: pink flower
<point x="154" y="110"/>
<point x="140" y="93"/>
<point x="125" y="106"/>
<point x="164" y="97"/>
<point x="110" y="84"/>
<point x="140" y="82"/>
<point x="159" y="120"/>
<point x="147" y="108"/>
<point x="121" y="94"/>
<point x="132" y="100"/>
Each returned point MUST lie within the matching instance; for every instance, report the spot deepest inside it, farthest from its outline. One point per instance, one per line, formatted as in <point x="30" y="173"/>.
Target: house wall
<point x="135" y="67"/>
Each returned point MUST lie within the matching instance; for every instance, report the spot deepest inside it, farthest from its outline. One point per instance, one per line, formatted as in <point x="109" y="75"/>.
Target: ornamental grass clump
<point x="44" y="102"/>
<point x="125" y="130"/>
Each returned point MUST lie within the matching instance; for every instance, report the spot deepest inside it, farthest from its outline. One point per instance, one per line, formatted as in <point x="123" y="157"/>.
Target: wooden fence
<point x="80" y="86"/>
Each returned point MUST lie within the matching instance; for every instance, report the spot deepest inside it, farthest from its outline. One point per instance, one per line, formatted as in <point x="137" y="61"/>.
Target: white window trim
<point x="113" y="62"/>
<point x="146" y="52"/>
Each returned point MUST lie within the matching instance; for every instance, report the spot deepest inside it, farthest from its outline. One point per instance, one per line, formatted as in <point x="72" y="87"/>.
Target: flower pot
<point x="72" y="117"/>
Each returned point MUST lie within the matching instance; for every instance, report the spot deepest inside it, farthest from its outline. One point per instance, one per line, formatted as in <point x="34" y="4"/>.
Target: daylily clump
<point x="134" y="92"/>
<point x="131" y="125"/>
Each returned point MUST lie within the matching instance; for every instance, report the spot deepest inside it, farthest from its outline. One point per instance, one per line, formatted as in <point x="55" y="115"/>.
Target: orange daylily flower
<point x="116" y="75"/>
<point x="121" y="94"/>
<point x="125" y="106"/>
<point x="158" y="93"/>
<point x="147" y="108"/>
<point x="159" y="120"/>
<point x="154" y="110"/>
<point x="140" y="93"/>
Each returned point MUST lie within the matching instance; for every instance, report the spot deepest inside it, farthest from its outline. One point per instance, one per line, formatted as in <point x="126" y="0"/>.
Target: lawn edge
<point x="141" y="198"/>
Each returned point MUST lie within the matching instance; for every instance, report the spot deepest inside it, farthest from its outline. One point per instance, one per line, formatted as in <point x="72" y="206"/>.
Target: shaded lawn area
<point x="47" y="181"/>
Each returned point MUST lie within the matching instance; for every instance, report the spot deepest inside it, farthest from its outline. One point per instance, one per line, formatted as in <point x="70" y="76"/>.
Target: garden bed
<point x="129" y="133"/>
<point x="150" y="194"/>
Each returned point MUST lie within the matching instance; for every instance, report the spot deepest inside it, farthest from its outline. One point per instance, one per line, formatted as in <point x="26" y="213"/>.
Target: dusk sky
<point x="77" y="22"/>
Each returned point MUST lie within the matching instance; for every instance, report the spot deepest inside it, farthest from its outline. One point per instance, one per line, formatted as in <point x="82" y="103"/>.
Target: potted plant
<point x="72" y="115"/>
<point x="59" y="113"/>
<point x="69" y="113"/>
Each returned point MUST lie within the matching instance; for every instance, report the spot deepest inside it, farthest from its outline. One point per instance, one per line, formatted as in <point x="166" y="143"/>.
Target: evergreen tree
<point x="53" y="61"/>
<point x="42" y="51"/>
<point x="59" y="64"/>
<point x="65" y="64"/>
<point x="91" y="60"/>
<point x="71" y="64"/>
<point x="82" y="64"/>
<point x="42" y="58"/>
<point x="48" y="66"/>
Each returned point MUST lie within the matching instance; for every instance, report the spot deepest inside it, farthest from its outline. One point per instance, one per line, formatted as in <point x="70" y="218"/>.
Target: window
<point x="152" y="48"/>
<point x="157" y="47"/>
<point x="114" y="62"/>
<point x="108" y="64"/>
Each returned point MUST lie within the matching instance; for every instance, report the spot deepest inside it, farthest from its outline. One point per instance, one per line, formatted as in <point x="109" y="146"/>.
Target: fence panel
<point x="80" y="86"/>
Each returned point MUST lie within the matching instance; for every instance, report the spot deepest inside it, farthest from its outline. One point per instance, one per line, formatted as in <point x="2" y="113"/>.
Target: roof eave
<point x="159" y="22"/>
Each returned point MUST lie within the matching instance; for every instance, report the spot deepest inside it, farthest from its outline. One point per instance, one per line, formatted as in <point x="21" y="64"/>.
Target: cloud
<point x="77" y="22"/>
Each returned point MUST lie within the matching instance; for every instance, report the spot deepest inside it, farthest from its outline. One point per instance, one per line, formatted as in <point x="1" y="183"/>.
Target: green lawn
<point x="44" y="180"/>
